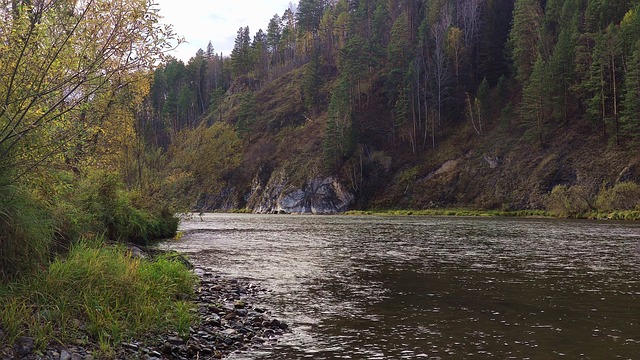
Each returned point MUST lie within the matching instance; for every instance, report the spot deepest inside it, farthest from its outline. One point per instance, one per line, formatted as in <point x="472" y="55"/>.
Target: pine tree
<point x="630" y="119"/>
<point x="535" y="100"/>
<point x="260" y="55"/>
<point x="196" y="71"/>
<point x="246" y="114"/>
<point x="525" y="38"/>
<point x="311" y="83"/>
<point x="309" y="15"/>
<point x="492" y="59"/>
<point x="379" y="33"/>
<point x="241" y="59"/>
<point x="482" y="97"/>
<point x="339" y="134"/>
<point x="561" y="70"/>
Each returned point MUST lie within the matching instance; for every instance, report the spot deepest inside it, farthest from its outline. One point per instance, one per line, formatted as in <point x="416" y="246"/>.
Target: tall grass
<point x="100" y="291"/>
<point x="100" y="205"/>
<point x="26" y="231"/>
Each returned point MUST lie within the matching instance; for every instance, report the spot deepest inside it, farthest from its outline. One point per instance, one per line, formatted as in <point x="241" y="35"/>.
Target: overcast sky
<point x="199" y="21"/>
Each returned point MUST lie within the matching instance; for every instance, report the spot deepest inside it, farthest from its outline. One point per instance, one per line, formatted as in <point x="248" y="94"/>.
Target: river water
<point x="432" y="287"/>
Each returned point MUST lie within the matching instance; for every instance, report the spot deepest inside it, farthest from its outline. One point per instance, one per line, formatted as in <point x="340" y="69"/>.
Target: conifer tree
<point x="561" y="70"/>
<point x="339" y="134"/>
<point x="246" y="114"/>
<point x="379" y="33"/>
<point x="309" y="15"/>
<point x="535" y="100"/>
<point x="483" y="97"/>
<point x="630" y="119"/>
<point x="525" y="38"/>
<point x="311" y="83"/>
<point x="398" y="59"/>
<point x="241" y="59"/>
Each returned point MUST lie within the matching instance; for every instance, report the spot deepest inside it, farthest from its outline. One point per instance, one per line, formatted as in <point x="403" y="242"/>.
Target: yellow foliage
<point x="202" y="157"/>
<point x="71" y="76"/>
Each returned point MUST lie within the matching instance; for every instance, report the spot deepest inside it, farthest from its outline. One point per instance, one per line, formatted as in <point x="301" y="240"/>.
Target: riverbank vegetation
<point x="500" y="107"/>
<point x="76" y="182"/>
<point x="453" y="212"/>
<point x="98" y="294"/>
<point x="619" y="202"/>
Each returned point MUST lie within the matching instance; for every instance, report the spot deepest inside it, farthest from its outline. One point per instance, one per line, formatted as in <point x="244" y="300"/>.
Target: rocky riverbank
<point x="228" y="322"/>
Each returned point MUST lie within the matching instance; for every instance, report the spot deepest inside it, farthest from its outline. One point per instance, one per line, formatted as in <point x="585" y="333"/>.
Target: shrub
<point x="567" y="201"/>
<point x="622" y="196"/>
<point x="100" y="205"/>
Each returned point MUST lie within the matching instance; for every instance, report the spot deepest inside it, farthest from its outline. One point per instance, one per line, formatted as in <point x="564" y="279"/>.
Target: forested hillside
<point x="389" y="103"/>
<point x="335" y="105"/>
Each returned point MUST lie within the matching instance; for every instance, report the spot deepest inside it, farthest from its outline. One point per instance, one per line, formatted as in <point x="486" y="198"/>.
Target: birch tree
<point x="57" y="57"/>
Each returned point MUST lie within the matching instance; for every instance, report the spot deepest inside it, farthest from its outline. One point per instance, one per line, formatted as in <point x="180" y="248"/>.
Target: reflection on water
<point x="420" y="287"/>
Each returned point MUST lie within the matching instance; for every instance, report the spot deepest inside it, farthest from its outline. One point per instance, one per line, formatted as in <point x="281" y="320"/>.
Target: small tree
<point x="534" y="109"/>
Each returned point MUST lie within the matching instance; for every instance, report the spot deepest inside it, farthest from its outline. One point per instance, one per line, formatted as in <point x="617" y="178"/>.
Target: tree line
<point x="438" y="62"/>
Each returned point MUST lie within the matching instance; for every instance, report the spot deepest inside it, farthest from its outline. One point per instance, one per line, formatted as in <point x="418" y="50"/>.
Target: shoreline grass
<point x="101" y="295"/>
<point x="626" y="215"/>
<point x="453" y="212"/>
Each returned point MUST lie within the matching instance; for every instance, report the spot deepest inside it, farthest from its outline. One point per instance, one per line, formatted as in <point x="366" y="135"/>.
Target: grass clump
<point x="101" y="205"/>
<point x="100" y="292"/>
<point x="26" y="232"/>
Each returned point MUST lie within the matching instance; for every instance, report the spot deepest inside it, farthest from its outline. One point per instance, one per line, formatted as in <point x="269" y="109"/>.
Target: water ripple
<point x="435" y="288"/>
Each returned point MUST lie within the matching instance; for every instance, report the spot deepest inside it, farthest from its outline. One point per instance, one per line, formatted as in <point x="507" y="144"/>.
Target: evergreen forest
<point x="487" y="104"/>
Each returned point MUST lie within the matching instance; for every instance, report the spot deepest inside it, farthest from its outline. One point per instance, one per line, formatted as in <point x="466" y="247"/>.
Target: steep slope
<point x="504" y="168"/>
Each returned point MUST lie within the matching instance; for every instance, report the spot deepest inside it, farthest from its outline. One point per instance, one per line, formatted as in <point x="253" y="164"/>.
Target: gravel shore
<point x="229" y="322"/>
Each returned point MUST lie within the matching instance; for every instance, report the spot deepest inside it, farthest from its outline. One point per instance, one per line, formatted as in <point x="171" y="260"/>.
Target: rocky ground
<point x="229" y="322"/>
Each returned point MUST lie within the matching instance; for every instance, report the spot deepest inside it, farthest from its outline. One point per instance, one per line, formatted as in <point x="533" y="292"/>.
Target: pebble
<point x="64" y="355"/>
<point x="23" y="346"/>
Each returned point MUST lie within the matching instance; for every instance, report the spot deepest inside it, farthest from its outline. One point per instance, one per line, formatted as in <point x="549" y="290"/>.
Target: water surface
<point x="433" y="287"/>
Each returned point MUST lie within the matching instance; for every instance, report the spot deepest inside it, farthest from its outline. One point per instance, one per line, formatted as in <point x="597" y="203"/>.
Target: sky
<point x="218" y="21"/>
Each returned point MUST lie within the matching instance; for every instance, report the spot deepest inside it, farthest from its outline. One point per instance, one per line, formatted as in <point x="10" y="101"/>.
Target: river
<point x="432" y="287"/>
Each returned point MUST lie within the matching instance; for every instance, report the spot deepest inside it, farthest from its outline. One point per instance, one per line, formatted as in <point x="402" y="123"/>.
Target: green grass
<point x="633" y="215"/>
<point x="627" y="215"/>
<point x="104" y="206"/>
<point x="99" y="292"/>
<point x="454" y="212"/>
<point x="26" y="232"/>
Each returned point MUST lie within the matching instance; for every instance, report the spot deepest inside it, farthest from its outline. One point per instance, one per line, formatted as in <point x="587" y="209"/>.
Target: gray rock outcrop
<point x="319" y="195"/>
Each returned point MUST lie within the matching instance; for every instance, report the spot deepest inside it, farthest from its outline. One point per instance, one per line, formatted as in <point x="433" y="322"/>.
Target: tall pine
<point x="630" y="119"/>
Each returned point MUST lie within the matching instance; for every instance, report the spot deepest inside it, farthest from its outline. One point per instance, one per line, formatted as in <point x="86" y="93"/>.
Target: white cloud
<point x="200" y="21"/>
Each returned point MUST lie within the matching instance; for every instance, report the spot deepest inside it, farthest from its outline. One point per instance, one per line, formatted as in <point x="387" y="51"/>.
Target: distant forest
<point x="394" y="79"/>
<point x="436" y="62"/>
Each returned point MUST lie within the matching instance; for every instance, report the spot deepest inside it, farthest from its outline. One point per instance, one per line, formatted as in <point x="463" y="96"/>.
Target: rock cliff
<point x="278" y="195"/>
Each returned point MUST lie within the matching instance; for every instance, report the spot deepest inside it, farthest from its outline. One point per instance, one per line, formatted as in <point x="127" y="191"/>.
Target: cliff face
<point x="320" y="195"/>
<point x="274" y="192"/>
